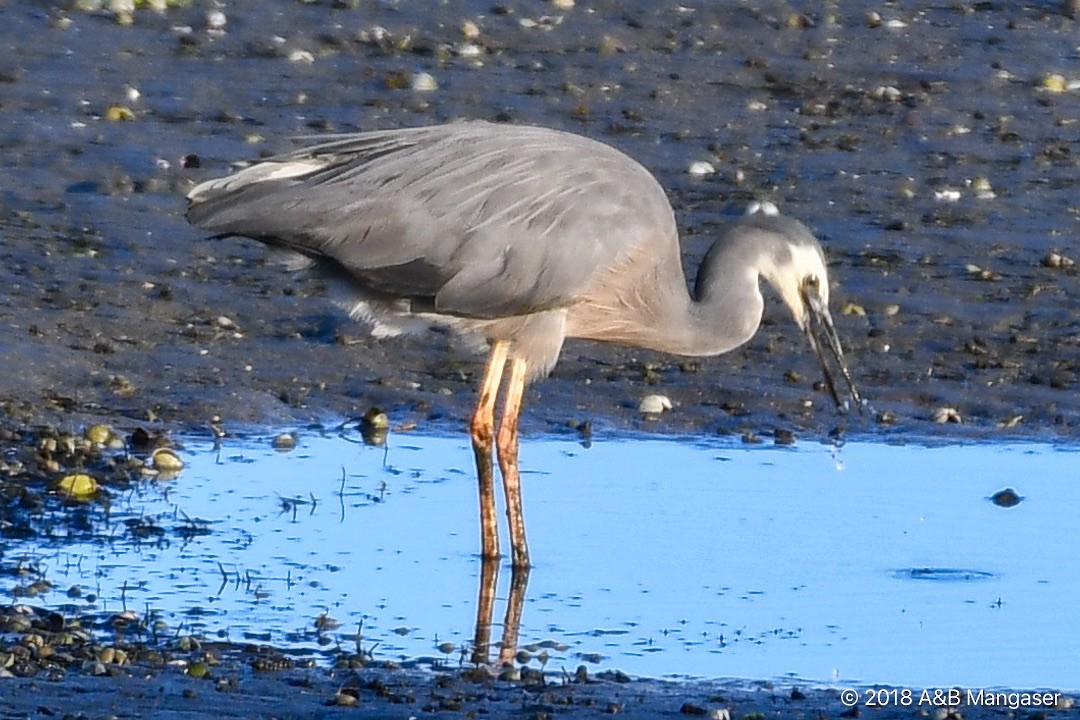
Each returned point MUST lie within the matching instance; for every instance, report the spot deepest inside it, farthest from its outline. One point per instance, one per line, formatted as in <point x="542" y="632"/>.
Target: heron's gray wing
<point x="487" y="220"/>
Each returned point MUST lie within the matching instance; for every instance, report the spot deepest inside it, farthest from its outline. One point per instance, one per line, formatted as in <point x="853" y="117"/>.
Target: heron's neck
<point x="648" y="305"/>
<point x="726" y="307"/>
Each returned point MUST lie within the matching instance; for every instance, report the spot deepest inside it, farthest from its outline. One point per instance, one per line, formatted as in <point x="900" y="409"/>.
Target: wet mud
<point x="932" y="147"/>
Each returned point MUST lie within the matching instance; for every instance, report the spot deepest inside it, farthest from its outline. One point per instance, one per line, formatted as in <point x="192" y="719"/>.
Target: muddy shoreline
<point x="933" y="149"/>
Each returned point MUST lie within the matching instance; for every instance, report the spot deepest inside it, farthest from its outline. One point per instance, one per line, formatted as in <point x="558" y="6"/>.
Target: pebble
<point x="983" y="189"/>
<point x="701" y="168"/>
<point x="470" y="30"/>
<point x="284" y="441"/>
<point x="165" y="460"/>
<point x="654" y="404"/>
<point x="1006" y="498"/>
<point x="424" y="82"/>
<point x="1054" y="259"/>
<point x="1054" y="83"/>
<point x="77" y="486"/>
<point x="216" y="20"/>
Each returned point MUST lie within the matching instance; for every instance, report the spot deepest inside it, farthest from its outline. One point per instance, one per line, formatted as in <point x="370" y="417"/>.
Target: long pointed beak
<point x="819" y="321"/>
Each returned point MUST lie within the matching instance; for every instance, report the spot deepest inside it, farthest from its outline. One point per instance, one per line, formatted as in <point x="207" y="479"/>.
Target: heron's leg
<point x="507" y="445"/>
<point x="482" y="429"/>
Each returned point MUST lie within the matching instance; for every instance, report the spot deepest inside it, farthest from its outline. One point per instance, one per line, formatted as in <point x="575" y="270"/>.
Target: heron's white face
<point x="800" y="280"/>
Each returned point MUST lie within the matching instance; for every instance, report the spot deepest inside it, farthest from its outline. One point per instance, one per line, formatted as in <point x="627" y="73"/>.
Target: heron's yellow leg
<point x="507" y="445"/>
<point x="482" y="429"/>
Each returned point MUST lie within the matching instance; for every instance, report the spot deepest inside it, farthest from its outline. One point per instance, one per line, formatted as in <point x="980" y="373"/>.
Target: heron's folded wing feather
<point x="487" y="220"/>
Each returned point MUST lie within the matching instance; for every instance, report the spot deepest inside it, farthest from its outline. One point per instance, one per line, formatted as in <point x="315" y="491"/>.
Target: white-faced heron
<point x="520" y="236"/>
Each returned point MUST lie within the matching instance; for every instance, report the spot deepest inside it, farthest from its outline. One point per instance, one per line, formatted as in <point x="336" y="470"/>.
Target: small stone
<point x="1054" y="82"/>
<point x="983" y="189"/>
<point x="347" y="697"/>
<point x="119" y="113"/>
<point x="1054" y="259"/>
<point x="423" y="82"/>
<point x="654" y="404"/>
<point x="216" y="20"/>
<point x="98" y="434"/>
<point x="851" y="308"/>
<point x="470" y="30"/>
<point x="1006" y="498"/>
<point x="701" y="168"/>
<point x="284" y="441"/>
<point x="77" y="486"/>
<point x="165" y="460"/>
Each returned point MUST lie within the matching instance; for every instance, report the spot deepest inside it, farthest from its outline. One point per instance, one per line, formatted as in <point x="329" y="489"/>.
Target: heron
<point x="518" y="237"/>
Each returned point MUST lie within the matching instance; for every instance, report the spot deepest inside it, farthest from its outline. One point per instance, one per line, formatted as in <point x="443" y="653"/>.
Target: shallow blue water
<point x="665" y="557"/>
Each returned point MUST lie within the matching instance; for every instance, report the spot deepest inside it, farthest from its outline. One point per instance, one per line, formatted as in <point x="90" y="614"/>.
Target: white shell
<point x="654" y="404"/>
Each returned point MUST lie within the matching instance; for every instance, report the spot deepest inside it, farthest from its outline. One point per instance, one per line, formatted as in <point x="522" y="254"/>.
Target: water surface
<point x="658" y="557"/>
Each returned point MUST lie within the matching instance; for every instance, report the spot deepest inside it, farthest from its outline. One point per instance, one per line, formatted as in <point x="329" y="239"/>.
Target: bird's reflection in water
<point x="485" y="611"/>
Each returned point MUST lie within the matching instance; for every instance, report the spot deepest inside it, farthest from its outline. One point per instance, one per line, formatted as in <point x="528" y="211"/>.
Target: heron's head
<point x="795" y="265"/>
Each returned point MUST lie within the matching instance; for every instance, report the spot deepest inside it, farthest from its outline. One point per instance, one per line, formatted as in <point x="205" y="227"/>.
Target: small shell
<point x="1055" y="259"/>
<point x="347" y="697"/>
<point x="165" y="460"/>
<point x="762" y="207"/>
<point x="701" y="168"/>
<point x="423" y="82"/>
<point x="470" y="30"/>
<point x="216" y="20"/>
<point x="654" y="404"/>
<point x="947" y="415"/>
